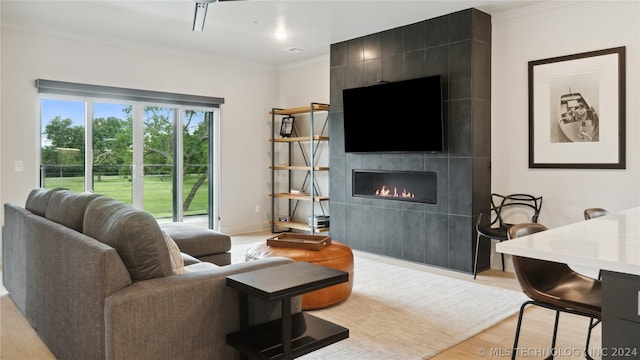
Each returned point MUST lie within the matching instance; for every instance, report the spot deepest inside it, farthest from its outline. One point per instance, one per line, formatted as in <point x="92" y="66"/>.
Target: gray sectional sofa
<point x="93" y="277"/>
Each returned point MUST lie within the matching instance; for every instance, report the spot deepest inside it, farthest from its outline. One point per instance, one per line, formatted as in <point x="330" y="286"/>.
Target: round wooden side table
<point x="336" y="255"/>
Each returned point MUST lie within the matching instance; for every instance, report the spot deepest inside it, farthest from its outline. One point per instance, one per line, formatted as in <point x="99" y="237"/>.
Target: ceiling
<point x="233" y="29"/>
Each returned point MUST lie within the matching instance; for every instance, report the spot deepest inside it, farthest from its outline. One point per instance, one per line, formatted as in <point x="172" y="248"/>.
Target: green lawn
<point x="158" y="192"/>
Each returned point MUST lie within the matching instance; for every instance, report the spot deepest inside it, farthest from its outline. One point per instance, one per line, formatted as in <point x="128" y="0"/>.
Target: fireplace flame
<point x="385" y="192"/>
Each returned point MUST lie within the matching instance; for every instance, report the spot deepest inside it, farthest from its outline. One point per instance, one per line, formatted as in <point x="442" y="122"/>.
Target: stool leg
<point x="592" y="324"/>
<point x="555" y="334"/>
<point x="502" y="256"/>
<point x="515" y="341"/>
<point x="475" y="261"/>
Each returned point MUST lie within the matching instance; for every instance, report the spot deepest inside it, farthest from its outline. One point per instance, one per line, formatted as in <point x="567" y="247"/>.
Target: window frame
<point x="139" y="99"/>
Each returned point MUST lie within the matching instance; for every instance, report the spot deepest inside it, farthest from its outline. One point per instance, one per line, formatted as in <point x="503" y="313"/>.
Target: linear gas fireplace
<point x="416" y="186"/>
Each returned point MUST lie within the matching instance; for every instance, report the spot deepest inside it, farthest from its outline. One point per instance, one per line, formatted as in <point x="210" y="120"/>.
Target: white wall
<point x="302" y="83"/>
<point x="249" y="91"/>
<point x="549" y="30"/>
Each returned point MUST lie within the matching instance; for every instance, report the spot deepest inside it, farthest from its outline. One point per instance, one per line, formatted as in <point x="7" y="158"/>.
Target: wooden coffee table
<point x="275" y="339"/>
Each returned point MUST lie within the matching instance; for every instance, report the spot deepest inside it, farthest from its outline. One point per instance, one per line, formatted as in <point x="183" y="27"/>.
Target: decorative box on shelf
<point x="301" y="241"/>
<point x="319" y="221"/>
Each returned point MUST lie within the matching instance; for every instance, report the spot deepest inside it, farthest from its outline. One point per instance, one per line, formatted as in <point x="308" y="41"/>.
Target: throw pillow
<point x="177" y="264"/>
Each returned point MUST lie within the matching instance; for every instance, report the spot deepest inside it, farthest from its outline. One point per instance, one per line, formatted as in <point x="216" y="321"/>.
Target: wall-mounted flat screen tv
<point x="402" y="116"/>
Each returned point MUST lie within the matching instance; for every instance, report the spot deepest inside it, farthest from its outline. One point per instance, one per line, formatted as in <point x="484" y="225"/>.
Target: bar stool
<point x="591" y="213"/>
<point x="555" y="286"/>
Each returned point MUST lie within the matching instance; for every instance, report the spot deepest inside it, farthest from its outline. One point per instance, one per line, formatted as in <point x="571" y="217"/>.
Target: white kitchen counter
<point x="610" y="242"/>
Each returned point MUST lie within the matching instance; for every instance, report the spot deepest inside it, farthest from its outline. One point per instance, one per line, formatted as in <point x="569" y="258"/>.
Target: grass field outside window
<point x="120" y="188"/>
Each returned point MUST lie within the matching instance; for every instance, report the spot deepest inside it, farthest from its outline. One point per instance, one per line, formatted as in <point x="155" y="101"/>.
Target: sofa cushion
<point x="134" y="234"/>
<point x="67" y="208"/>
<point x="197" y="241"/>
<point x="38" y="200"/>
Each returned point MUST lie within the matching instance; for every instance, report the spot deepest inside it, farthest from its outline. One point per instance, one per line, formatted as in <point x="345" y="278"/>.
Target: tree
<point x="66" y="145"/>
<point x="158" y="140"/>
<point x="196" y="154"/>
<point x="111" y="146"/>
<point x="61" y="133"/>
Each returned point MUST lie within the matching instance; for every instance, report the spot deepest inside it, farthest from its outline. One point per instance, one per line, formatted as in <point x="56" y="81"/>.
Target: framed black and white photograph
<point x="577" y="111"/>
<point x="286" y="129"/>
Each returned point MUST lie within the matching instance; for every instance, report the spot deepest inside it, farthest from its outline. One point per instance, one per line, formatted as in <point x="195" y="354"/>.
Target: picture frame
<point x="577" y="110"/>
<point x="286" y="128"/>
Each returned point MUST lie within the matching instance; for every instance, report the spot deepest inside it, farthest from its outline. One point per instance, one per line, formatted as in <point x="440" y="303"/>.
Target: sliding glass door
<point x="196" y="135"/>
<point x="159" y="168"/>
<point x="138" y="155"/>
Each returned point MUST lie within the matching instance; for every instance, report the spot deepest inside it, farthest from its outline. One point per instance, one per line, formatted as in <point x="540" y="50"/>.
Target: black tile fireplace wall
<point x="457" y="47"/>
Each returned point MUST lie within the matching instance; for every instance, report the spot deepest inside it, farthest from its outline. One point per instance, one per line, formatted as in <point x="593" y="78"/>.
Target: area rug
<point x="401" y="313"/>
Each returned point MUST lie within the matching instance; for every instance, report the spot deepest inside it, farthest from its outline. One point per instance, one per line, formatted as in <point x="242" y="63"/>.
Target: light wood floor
<point x="18" y="341"/>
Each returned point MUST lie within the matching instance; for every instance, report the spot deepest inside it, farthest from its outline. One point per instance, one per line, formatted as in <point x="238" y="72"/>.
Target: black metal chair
<point x="492" y="225"/>
<point x="555" y="286"/>
<point x="591" y="213"/>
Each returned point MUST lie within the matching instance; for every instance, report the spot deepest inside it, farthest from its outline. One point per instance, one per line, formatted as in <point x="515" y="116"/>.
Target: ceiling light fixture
<point x="294" y="49"/>
<point x="280" y="34"/>
<point x="201" y="12"/>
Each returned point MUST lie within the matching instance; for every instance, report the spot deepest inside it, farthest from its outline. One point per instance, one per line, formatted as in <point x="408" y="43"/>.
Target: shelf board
<point x="300" y="138"/>
<point x="300" y="197"/>
<point x="300" y="110"/>
<point x="299" y="226"/>
<point x="292" y="167"/>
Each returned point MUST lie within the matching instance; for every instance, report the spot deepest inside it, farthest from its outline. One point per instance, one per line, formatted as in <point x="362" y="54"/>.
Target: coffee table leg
<point x="286" y="328"/>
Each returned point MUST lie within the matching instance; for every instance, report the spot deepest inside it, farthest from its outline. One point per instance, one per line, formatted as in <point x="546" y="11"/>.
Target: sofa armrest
<point x="14" y="254"/>
<point x="183" y="316"/>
